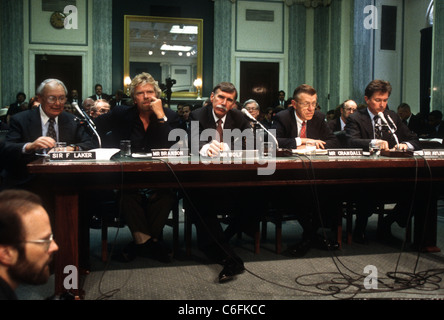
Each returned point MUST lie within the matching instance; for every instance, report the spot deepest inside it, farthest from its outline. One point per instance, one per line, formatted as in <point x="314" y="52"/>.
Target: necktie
<point x="378" y="132"/>
<point x="220" y="130"/>
<point x="303" y="133"/>
<point x="51" y="129"/>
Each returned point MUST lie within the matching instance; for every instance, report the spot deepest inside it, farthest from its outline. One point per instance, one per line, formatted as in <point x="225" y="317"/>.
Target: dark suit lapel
<point x="293" y="123"/>
<point x="367" y="121"/>
<point x="35" y="123"/>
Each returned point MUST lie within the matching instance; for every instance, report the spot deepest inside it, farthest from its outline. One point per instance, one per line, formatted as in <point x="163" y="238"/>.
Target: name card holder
<point x="345" y="152"/>
<point x="430" y="152"/>
<point x="72" y="155"/>
<point x="170" y="153"/>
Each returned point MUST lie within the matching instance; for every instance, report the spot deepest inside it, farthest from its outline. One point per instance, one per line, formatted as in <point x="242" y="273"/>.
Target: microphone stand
<point x="280" y="152"/>
<point x="395" y="153"/>
<point x="89" y="122"/>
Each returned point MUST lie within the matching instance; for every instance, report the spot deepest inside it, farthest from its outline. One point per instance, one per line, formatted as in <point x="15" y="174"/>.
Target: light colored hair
<point x="250" y="101"/>
<point x="50" y="82"/>
<point x="142" y="79"/>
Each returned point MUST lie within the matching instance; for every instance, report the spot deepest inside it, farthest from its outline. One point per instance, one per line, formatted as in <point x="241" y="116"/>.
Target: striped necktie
<point x="378" y="132"/>
<point x="51" y="129"/>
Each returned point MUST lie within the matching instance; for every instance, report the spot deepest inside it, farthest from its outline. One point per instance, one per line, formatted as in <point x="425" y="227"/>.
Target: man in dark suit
<point x="28" y="132"/>
<point x="288" y="123"/>
<point x="337" y="125"/>
<point x="211" y="238"/>
<point x="413" y="122"/>
<point x="119" y="99"/>
<point x="295" y="126"/>
<point x="362" y="128"/>
<point x="74" y="98"/>
<point x="435" y="125"/>
<point x="147" y="125"/>
<point x="17" y="106"/>
<point x="99" y="94"/>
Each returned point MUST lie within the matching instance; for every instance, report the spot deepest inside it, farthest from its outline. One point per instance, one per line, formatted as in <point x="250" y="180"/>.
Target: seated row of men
<point x="148" y="123"/>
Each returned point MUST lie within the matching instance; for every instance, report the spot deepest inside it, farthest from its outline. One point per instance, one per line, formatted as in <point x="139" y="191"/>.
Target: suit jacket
<point x="235" y="119"/>
<point x="335" y="126"/>
<point x="287" y="130"/>
<point x="359" y="130"/>
<point x="433" y="133"/>
<point x="26" y="127"/>
<point x="105" y="96"/>
<point x="123" y="123"/>
<point x="416" y="124"/>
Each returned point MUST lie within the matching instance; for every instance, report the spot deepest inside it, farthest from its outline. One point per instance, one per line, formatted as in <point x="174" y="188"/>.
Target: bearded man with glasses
<point x="26" y="242"/>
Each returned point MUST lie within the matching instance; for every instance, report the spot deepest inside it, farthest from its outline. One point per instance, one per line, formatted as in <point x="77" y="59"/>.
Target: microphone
<point x="245" y="112"/>
<point x="392" y="122"/>
<point x="381" y="115"/>
<point x="88" y="121"/>
<point x="83" y="114"/>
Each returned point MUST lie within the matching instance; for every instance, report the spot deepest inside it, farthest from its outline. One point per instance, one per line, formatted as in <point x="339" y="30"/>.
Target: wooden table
<point x="68" y="179"/>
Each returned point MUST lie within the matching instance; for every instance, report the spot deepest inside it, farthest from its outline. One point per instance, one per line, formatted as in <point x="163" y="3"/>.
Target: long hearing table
<point x="386" y="176"/>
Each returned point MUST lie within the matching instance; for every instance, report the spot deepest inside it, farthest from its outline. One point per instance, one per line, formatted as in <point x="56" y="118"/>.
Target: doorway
<point x="67" y="69"/>
<point x="259" y="81"/>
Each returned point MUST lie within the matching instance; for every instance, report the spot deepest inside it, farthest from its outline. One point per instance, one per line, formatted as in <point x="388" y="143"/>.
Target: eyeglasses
<point x="45" y="242"/>
<point x="308" y="104"/>
<point x="251" y="109"/>
<point x="52" y="99"/>
<point x="350" y="109"/>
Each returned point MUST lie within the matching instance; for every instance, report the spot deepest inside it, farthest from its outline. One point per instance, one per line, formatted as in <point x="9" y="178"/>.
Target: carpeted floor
<point x="402" y="274"/>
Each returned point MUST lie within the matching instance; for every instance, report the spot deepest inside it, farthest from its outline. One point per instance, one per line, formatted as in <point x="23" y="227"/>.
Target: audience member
<point x="147" y="125"/>
<point x="365" y="126"/>
<point x="413" y="122"/>
<point x="347" y="108"/>
<point x="87" y="104"/>
<point x="74" y="97"/>
<point x="34" y="102"/>
<point x="3" y="123"/>
<point x="330" y="115"/>
<point x="99" y="94"/>
<point x="268" y="118"/>
<point x="26" y="242"/>
<point x="435" y="125"/>
<point x="184" y="121"/>
<point x="16" y="107"/>
<point x="245" y="214"/>
<point x="99" y="107"/>
<point x="294" y="128"/>
<point x="38" y="129"/>
<point x="280" y="101"/>
<point x="118" y="99"/>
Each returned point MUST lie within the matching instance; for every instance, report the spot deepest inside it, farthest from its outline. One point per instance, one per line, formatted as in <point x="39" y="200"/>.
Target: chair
<point x="277" y="216"/>
<point x="110" y="216"/>
<point x="349" y="209"/>
<point x="188" y="230"/>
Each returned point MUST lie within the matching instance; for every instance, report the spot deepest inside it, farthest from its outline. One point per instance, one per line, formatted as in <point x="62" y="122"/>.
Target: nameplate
<point x="167" y="153"/>
<point x="432" y="152"/>
<point x="345" y="152"/>
<point x="238" y="154"/>
<point x="72" y="155"/>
